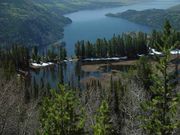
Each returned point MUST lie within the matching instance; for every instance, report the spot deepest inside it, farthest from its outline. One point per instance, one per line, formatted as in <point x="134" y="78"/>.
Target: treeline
<point x="14" y="58"/>
<point x="18" y="57"/>
<point x="156" y="38"/>
<point x="49" y="55"/>
<point x="129" y="45"/>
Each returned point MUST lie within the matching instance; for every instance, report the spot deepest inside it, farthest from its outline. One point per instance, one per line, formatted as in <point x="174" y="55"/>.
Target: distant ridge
<point x="152" y="17"/>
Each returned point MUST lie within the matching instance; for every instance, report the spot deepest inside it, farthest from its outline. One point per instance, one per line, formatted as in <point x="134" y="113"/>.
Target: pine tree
<point x="103" y="125"/>
<point x="63" y="53"/>
<point x="126" y="45"/>
<point x="34" y="53"/>
<point x="78" y="49"/>
<point x="60" y="114"/>
<point x="161" y="109"/>
<point x="83" y="53"/>
<point x="144" y="72"/>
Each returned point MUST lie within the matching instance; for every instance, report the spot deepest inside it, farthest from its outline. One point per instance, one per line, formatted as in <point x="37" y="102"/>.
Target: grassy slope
<point x="40" y="21"/>
<point x="152" y="17"/>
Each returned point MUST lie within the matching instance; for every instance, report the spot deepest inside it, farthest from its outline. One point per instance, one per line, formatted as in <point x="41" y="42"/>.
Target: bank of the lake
<point x="90" y="25"/>
<point x="152" y="17"/>
<point x="93" y="24"/>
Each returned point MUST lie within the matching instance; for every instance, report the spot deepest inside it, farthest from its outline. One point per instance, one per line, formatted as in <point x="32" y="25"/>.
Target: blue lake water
<point x="93" y="24"/>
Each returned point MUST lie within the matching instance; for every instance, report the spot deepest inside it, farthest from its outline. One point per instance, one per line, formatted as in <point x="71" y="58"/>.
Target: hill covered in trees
<point x="152" y="17"/>
<point x="41" y="22"/>
<point x="26" y="22"/>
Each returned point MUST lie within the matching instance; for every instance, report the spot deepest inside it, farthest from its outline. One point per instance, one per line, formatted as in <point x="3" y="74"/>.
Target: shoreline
<point x="101" y="60"/>
<point x="86" y="8"/>
<point x="97" y="66"/>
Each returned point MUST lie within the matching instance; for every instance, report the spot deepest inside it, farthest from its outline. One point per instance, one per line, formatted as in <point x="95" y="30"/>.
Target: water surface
<point x="90" y="25"/>
<point x="93" y="24"/>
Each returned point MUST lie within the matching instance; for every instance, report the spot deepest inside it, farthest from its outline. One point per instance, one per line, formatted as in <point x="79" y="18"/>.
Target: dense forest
<point x="145" y="100"/>
<point x="152" y="17"/>
<point x="129" y="45"/>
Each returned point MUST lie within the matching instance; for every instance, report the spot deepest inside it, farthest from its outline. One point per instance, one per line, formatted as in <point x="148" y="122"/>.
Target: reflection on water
<point x="93" y="24"/>
<point x="70" y="73"/>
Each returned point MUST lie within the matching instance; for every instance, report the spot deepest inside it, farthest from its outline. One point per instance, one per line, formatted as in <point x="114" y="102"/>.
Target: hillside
<point x="24" y="22"/>
<point x="41" y="22"/>
<point x="152" y="17"/>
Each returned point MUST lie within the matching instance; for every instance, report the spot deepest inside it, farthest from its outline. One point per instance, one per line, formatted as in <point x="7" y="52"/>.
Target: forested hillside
<point x="23" y="21"/>
<point x="152" y="17"/>
<point x="41" y="22"/>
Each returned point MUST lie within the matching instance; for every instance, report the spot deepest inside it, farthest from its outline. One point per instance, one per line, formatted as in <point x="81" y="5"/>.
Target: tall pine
<point x="61" y="114"/>
<point x="160" y="110"/>
<point x="103" y="125"/>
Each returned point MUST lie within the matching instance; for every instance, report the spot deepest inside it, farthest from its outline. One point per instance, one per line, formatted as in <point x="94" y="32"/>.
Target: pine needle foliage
<point x="160" y="110"/>
<point x="61" y="114"/>
<point x="103" y="124"/>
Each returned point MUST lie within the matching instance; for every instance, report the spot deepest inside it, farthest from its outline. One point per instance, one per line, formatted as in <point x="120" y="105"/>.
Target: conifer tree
<point x="103" y="125"/>
<point x="126" y="45"/>
<point x="60" y="114"/>
<point x="34" y="53"/>
<point x="63" y="53"/>
<point x="78" y="49"/>
<point x="160" y="110"/>
<point x="144" y="72"/>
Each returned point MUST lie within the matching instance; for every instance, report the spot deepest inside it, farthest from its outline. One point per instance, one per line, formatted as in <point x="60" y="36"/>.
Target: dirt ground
<point x="97" y="66"/>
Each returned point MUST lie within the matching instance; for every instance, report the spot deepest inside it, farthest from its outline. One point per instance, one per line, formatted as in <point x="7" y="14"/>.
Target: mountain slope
<point x="24" y="22"/>
<point x="41" y="22"/>
<point x="152" y="17"/>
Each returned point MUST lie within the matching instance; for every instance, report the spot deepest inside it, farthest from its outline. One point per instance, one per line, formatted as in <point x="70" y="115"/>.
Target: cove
<point x="93" y="24"/>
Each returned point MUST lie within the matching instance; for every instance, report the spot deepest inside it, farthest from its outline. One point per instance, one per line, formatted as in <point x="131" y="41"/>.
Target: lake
<point x="93" y="24"/>
<point x="90" y="25"/>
